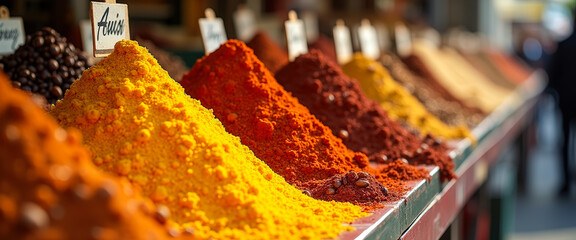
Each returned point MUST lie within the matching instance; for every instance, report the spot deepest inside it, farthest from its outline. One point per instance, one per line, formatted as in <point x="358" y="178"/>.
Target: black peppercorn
<point x="46" y="64"/>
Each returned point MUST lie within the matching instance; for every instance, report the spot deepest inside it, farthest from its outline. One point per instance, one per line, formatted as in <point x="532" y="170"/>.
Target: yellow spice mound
<point x="378" y="85"/>
<point x="139" y="123"/>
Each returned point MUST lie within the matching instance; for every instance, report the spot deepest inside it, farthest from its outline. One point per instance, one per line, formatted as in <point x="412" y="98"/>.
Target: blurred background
<point x="536" y="208"/>
<point x="529" y="28"/>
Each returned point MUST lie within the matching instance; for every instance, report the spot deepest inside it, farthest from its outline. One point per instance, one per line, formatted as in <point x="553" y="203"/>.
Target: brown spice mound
<point x="325" y="45"/>
<point x="269" y="52"/>
<point x="449" y="111"/>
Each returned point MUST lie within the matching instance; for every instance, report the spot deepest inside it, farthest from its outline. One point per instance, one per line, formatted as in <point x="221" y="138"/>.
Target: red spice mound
<point x="359" y="186"/>
<point x="325" y="45"/>
<point x="338" y="101"/>
<point x="267" y="51"/>
<point x="398" y="170"/>
<point x="49" y="188"/>
<point x="252" y="105"/>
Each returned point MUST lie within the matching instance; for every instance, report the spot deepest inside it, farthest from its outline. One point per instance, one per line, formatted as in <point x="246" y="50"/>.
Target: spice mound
<point x="447" y="68"/>
<point x="325" y="45"/>
<point x="399" y="104"/>
<point x="360" y="186"/>
<point x="46" y="64"/>
<point x="49" y="189"/>
<point x="449" y="111"/>
<point x="174" y="65"/>
<point x="337" y="100"/>
<point x="140" y="124"/>
<point x="512" y="68"/>
<point x="253" y="106"/>
<point x="397" y="170"/>
<point x="269" y="52"/>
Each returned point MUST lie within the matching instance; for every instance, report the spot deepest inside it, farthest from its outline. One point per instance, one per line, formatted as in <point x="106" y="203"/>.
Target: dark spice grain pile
<point x="46" y="64"/>
<point x="355" y="187"/>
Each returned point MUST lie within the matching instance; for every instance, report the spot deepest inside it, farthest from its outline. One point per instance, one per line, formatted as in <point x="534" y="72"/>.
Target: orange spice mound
<point x="252" y="105"/>
<point x="49" y="188"/>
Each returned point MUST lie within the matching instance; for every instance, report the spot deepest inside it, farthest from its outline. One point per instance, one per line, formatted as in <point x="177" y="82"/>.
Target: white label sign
<point x="109" y="25"/>
<point x="403" y="40"/>
<point x="295" y="38"/>
<point x="245" y="24"/>
<point x="213" y="33"/>
<point x="11" y="35"/>
<point x="368" y="41"/>
<point x="343" y="43"/>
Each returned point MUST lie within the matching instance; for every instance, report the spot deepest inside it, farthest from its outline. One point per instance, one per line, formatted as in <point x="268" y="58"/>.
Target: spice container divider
<point x="390" y="221"/>
<point x="429" y="208"/>
<point x="528" y="90"/>
<point x="471" y="174"/>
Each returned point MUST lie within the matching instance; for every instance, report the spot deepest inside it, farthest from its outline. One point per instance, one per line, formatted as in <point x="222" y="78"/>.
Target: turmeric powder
<point x="49" y="188"/>
<point x="397" y="101"/>
<point x="140" y="124"/>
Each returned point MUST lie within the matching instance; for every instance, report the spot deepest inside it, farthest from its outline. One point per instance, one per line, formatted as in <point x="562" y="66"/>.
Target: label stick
<point x="295" y="36"/>
<point x="212" y="31"/>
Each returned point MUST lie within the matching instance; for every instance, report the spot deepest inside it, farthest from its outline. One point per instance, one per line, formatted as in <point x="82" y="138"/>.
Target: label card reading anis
<point x="342" y="42"/>
<point x="212" y="31"/>
<point x="245" y="23"/>
<point x="11" y="32"/>
<point x="295" y="36"/>
<point x="368" y="40"/>
<point x="109" y="25"/>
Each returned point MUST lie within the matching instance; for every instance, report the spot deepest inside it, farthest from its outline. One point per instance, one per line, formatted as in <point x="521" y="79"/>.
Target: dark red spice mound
<point x="269" y="52"/>
<point x="359" y="188"/>
<point x="338" y="102"/>
<point x="325" y="45"/>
